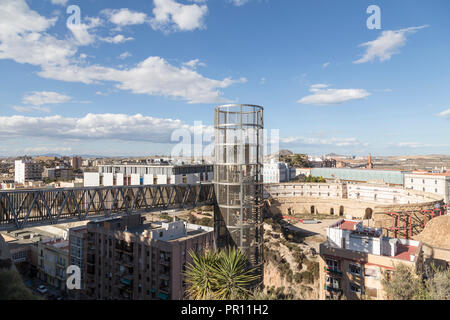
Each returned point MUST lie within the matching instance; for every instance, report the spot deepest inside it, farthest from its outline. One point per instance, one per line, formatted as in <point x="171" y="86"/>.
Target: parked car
<point x="42" y="289"/>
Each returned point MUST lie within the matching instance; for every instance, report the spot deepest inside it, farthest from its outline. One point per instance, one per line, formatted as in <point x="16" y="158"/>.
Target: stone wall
<point x="348" y="200"/>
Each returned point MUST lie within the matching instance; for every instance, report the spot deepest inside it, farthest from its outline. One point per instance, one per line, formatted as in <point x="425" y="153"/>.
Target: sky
<point x="124" y="78"/>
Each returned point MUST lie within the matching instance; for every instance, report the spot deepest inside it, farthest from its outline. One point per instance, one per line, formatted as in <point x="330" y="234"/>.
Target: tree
<point x="403" y="284"/>
<point x="221" y="275"/>
<point x="200" y="275"/>
<point x="437" y="286"/>
<point x="12" y="286"/>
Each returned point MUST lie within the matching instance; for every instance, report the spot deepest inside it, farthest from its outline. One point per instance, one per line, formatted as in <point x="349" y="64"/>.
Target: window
<point x="354" y="268"/>
<point x="332" y="282"/>
<point x="332" y="264"/>
<point x="355" y="288"/>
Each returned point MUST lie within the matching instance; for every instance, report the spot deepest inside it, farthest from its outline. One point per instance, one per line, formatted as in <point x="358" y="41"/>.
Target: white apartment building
<point x="27" y="170"/>
<point x="438" y="183"/>
<point x="354" y="260"/>
<point x="131" y="175"/>
<point x="276" y="172"/>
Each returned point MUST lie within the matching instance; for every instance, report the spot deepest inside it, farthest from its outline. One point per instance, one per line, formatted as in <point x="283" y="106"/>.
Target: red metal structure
<point x="406" y="224"/>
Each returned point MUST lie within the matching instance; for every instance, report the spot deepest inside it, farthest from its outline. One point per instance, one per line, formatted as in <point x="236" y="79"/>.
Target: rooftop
<point x="355" y="237"/>
<point x="442" y="174"/>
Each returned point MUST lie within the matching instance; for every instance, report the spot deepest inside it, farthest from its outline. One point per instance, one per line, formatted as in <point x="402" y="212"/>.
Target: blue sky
<point x="131" y="73"/>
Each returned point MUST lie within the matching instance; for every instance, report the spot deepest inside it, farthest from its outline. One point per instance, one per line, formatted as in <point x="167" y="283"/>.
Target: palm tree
<point x="221" y="275"/>
<point x="200" y="275"/>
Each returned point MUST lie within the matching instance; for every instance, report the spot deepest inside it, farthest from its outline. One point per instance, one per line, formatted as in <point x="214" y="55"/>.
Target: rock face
<point x="436" y="233"/>
<point x="288" y="269"/>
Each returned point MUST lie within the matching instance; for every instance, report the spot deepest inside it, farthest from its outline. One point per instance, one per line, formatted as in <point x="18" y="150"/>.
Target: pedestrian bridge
<point x="27" y="208"/>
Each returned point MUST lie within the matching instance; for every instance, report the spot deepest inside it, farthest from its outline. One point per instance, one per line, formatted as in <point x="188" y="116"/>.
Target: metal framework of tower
<point x="238" y="180"/>
<point x="406" y="224"/>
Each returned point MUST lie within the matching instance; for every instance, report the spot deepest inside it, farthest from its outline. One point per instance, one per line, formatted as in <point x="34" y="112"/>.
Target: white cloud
<point x="24" y="39"/>
<point x="117" y="39"/>
<point x="38" y="98"/>
<point x="339" y="142"/>
<point x="170" y="15"/>
<point x="238" y="3"/>
<point x="445" y="114"/>
<point x="31" y="109"/>
<point x="33" y="101"/>
<point x="93" y="127"/>
<point x="262" y="81"/>
<point x="386" y="45"/>
<point x="125" y="17"/>
<point x="153" y="76"/>
<point x="194" y="63"/>
<point x="125" y="55"/>
<point x="322" y="95"/>
<point x="60" y="2"/>
<point x="326" y="64"/>
<point x="46" y="150"/>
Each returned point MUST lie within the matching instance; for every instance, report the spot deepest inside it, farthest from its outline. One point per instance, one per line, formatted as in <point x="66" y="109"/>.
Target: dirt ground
<point x="314" y="233"/>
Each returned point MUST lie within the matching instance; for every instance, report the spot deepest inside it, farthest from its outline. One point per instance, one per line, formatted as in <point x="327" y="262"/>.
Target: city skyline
<point x="125" y="78"/>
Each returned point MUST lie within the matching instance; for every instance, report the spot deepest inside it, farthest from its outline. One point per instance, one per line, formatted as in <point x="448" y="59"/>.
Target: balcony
<point x="332" y="270"/>
<point x="125" y="262"/>
<point x="165" y="262"/>
<point x="126" y="280"/>
<point x="332" y="289"/>
<point x="164" y="276"/>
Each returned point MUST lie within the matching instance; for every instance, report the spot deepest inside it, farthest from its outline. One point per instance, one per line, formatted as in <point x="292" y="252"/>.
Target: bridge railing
<point x="19" y="208"/>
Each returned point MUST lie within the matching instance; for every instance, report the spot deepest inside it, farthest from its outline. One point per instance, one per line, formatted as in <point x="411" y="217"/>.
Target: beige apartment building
<point x="354" y="260"/>
<point x="53" y="261"/>
<point x="132" y="258"/>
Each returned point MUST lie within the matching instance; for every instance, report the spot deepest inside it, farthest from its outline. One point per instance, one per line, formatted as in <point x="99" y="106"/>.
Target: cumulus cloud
<point x="24" y="39"/>
<point x="322" y="95"/>
<point x="81" y="32"/>
<point x="386" y="45"/>
<point x="170" y="15"/>
<point x="94" y="127"/>
<point x="153" y="76"/>
<point x="39" y="98"/>
<point x="125" y="17"/>
<point x="33" y="101"/>
<point x="117" y="39"/>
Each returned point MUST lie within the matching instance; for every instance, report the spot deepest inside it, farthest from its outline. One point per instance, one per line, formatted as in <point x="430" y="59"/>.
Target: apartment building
<point x="77" y="256"/>
<point x="26" y="170"/>
<point x="132" y="258"/>
<point x="438" y="183"/>
<point x="354" y="260"/>
<point x="57" y="173"/>
<point x="276" y="172"/>
<point x="53" y="258"/>
<point x="119" y="175"/>
<point x="76" y="162"/>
